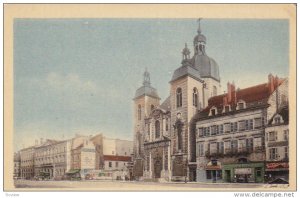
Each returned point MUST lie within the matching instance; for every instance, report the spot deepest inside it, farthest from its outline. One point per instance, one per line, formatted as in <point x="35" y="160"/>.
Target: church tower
<point x="191" y="85"/>
<point x="145" y="100"/>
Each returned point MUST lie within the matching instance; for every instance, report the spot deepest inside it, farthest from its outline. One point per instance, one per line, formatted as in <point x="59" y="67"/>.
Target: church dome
<point x="199" y="38"/>
<point x="207" y="67"/>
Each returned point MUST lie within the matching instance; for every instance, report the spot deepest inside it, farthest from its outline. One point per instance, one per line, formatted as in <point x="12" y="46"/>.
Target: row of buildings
<point x="78" y="157"/>
<point x="200" y="134"/>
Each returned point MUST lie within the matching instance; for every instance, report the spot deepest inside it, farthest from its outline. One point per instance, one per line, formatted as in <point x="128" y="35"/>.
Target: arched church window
<point x="139" y="112"/>
<point x="157" y="129"/>
<point x="167" y="124"/>
<point x="195" y="97"/>
<point x="179" y="97"/>
<point x="214" y="91"/>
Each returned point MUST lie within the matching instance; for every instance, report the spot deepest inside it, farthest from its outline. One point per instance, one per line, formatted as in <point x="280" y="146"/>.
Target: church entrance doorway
<point x="157" y="168"/>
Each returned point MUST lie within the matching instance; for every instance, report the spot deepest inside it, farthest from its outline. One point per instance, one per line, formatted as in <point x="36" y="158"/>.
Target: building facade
<point x="17" y="163"/>
<point x="164" y="142"/>
<point x="231" y="133"/>
<point x="27" y="163"/>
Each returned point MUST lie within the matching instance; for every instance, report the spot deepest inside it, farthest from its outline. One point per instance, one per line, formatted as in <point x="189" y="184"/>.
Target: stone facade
<point x="191" y="85"/>
<point x="231" y="130"/>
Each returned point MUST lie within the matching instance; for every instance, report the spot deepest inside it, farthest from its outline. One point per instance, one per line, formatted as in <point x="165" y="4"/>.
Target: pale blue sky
<point x="80" y="75"/>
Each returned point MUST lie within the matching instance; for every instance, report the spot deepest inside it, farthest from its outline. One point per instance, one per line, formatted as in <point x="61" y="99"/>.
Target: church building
<point x="164" y="136"/>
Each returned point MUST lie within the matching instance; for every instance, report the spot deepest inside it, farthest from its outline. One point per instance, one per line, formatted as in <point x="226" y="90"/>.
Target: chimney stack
<point x="229" y="92"/>
<point x="271" y="83"/>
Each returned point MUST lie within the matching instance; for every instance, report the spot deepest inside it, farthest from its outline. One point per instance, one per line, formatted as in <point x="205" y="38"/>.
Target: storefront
<point x="276" y="170"/>
<point x="73" y="174"/>
<point x="244" y="173"/>
<point x="214" y="171"/>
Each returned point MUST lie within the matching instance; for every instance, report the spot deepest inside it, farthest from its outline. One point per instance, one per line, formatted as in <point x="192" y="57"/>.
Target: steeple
<point x="199" y="41"/>
<point x="199" y="28"/>
<point x="146" y="78"/>
<point x="185" y="53"/>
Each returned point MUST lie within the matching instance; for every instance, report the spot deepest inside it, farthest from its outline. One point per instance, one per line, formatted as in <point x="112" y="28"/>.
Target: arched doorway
<point x="157" y="167"/>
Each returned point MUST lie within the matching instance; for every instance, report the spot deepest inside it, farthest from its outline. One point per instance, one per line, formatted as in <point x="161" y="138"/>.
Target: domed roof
<point x="146" y="89"/>
<point x="207" y="67"/>
<point x="199" y="38"/>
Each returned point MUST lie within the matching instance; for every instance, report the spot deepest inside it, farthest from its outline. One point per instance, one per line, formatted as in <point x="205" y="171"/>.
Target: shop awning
<point x="73" y="171"/>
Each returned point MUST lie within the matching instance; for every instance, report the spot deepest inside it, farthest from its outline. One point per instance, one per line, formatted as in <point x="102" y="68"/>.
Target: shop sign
<point x="276" y="165"/>
<point x="243" y="171"/>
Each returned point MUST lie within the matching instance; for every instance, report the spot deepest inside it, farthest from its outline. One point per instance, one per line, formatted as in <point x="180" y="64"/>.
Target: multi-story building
<point x="27" y="163"/>
<point x="83" y="155"/>
<point x="277" y="136"/>
<point x="231" y="133"/>
<point x="164" y="141"/>
<point x="17" y="163"/>
<point x="50" y="159"/>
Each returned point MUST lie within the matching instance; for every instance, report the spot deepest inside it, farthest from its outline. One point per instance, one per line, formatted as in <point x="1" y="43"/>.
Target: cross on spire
<point x="146" y="78"/>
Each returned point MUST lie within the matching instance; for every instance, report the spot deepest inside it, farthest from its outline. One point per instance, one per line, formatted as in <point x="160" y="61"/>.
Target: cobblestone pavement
<point x="136" y="186"/>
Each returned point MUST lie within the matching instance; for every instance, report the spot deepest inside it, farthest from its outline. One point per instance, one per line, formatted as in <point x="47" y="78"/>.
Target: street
<point x="98" y="185"/>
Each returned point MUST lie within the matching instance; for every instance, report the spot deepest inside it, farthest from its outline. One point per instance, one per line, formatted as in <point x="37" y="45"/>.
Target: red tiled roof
<point x="249" y="94"/>
<point x="117" y="158"/>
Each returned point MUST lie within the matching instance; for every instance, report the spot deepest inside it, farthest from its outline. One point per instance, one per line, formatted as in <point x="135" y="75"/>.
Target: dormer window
<point x="241" y="105"/>
<point x="226" y="109"/>
<point x="277" y="119"/>
<point x="213" y="111"/>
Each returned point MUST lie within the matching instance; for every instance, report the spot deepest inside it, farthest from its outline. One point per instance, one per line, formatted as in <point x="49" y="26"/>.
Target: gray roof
<point x="186" y="70"/>
<point x="206" y="66"/>
<point x="166" y="105"/>
<point x="146" y="90"/>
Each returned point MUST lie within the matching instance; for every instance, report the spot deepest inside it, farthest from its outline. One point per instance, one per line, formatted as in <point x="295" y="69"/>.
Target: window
<point x="286" y="135"/>
<point x="179" y="97"/>
<point x="272" y="136"/>
<point x="235" y="128"/>
<point x="286" y="152"/>
<point x="213" y="112"/>
<point x="273" y="154"/>
<point x="208" y="131"/>
<point x="242" y="125"/>
<point x="249" y="144"/>
<point x="200" y="131"/>
<point x="110" y="164"/>
<point x="227" y="127"/>
<point x="139" y="112"/>
<point x="231" y="127"/>
<point x="227" y="108"/>
<point x="251" y="124"/>
<point x="117" y="164"/>
<point x="213" y="130"/>
<point x="201" y="149"/>
<point x="157" y="129"/>
<point x="220" y="147"/>
<point x="204" y="131"/>
<point x="277" y="120"/>
<point x="167" y="124"/>
<point x="195" y="97"/>
<point x="221" y="129"/>
<point x="257" y="123"/>
<point x="234" y="145"/>
<point x="208" y="174"/>
<point x="215" y="91"/>
<point x="241" y="105"/>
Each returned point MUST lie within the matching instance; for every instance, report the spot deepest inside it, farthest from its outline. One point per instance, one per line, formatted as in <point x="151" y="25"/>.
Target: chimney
<point x="229" y="87"/>
<point x="233" y="92"/>
<point x="271" y="83"/>
<point x="276" y="82"/>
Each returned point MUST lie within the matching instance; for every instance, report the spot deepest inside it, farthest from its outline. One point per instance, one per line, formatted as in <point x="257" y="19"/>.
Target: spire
<point x="185" y="53"/>
<point x="199" y="28"/>
<point x="146" y="78"/>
